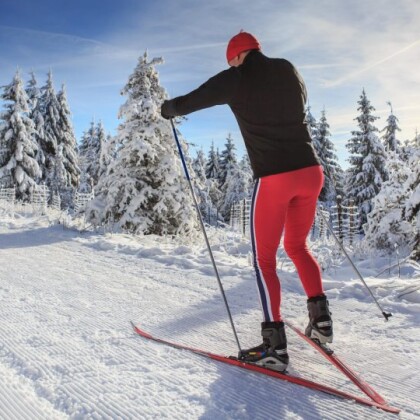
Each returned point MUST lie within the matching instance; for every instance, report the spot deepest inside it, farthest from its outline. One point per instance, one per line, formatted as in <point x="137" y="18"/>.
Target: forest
<point x="137" y="178"/>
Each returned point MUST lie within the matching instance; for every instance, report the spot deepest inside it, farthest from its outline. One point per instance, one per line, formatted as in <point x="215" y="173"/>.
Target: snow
<point x="67" y="349"/>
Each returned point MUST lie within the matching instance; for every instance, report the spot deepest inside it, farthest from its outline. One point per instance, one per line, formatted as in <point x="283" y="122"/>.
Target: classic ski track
<point x="83" y="322"/>
<point x="14" y="401"/>
<point x="256" y="369"/>
<point x="346" y="370"/>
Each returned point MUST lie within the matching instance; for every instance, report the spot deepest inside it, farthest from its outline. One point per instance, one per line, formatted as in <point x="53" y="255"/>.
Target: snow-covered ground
<point x="67" y="349"/>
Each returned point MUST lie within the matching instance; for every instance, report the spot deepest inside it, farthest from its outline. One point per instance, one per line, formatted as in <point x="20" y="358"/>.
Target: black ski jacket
<point x="267" y="96"/>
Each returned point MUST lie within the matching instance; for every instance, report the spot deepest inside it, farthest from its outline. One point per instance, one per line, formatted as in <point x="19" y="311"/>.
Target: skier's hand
<point x="168" y="109"/>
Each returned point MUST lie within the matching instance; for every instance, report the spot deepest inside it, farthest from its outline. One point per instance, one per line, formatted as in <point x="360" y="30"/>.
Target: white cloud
<point x="372" y="65"/>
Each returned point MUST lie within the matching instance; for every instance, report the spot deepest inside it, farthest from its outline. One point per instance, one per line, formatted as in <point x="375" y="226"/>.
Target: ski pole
<point x="386" y="315"/>
<point x="187" y="175"/>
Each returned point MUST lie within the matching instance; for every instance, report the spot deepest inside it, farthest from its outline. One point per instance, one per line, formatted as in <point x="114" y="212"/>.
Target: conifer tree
<point x="227" y="158"/>
<point x="87" y="139"/>
<point x="144" y="189"/>
<point x="67" y="140"/>
<point x="390" y="141"/>
<point x="88" y="155"/>
<point x="108" y="153"/>
<point x="49" y="139"/>
<point x="33" y="92"/>
<point x="386" y="225"/>
<point x="103" y="158"/>
<point x="411" y="211"/>
<point x="35" y="114"/>
<point x="212" y="175"/>
<point x="245" y="166"/>
<point x="19" y="166"/>
<point x="202" y="188"/>
<point x="235" y="188"/>
<point x="104" y="150"/>
<point x="212" y="165"/>
<point x="311" y="123"/>
<point x="408" y="146"/>
<point x="367" y="159"/>
<point x="60" y="179"/>
<point x="228" y="167"/>
<point x="326" y="152"/>
<point x="199" y="165"/>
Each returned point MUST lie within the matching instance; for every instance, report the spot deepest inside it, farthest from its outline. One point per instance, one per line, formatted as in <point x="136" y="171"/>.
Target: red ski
<point x="339" y="364"/>
<point x="285" y="377"/>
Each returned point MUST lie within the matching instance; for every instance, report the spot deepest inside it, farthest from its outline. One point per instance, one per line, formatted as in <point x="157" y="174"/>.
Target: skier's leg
<point x="299" y="220"/>
<point x="268" y="213"/>
<point x="300" y="217"/>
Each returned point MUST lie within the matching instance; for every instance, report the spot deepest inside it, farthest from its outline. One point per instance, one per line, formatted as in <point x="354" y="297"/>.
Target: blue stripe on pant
<point x="260" y="284"/>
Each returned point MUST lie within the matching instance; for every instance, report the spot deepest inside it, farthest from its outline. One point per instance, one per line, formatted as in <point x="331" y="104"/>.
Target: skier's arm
<point x="216" y="91"/>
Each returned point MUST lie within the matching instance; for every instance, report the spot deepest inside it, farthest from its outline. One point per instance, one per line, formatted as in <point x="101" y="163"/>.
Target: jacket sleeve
<point x="218" y="90"/>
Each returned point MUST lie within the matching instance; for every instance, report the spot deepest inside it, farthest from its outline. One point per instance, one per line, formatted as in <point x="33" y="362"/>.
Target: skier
<point x="267" y="97"/>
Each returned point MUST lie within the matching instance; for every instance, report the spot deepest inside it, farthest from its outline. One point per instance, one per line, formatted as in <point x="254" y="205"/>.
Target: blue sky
<point x="339" y="47"/>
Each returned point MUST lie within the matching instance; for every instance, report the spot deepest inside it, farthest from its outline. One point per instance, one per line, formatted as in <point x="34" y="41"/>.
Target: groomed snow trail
<point x="67" y="349"/>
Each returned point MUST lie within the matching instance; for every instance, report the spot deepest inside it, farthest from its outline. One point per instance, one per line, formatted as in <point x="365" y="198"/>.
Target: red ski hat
<point x="243" y="41"/>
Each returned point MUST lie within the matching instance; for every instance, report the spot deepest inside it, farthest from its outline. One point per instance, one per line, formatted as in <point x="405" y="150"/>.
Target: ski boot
<point x="320" y="327"/>
<point x="272" y="353"/>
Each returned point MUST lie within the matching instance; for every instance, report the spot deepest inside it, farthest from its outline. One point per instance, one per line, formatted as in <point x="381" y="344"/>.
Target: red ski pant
<point x="285" y="201"/>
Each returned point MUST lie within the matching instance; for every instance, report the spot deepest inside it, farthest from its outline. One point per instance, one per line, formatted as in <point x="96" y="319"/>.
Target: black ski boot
<point x="320" y="327"/>
<point x="272" y="353"/>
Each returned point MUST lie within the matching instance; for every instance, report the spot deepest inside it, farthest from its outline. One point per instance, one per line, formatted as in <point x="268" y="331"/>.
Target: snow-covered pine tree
<point x="245" y="166"/>
<point x="227" y="157"/>
<point x="67" y="140"/>
<point x="326" y="152"/>
<point x="215" y="195"/>
<point x="103" y="158"/>
<point x="60" y="178"/>
<point x="91" y="152"/>
<point x="407" y="145"/>
<point x="17" y="141"/>
<point x="235" y="188"/>
<point x="212" y="175"/>
<point x="144" y="189"/>
<point x="390" y="141"/>
<point x="199" y="166"/>
<point x="212" y="165"/>
<point x="311" y="123"/>
<point x="89" y="155"/>
<point x="229" y="167"/>
<point x="412" y="186"/>
<point x="107" y="153"/>
<point x="203" y="186"/>
<point x="85" y="184"/>
<point x="88" y="137"/>
<point x="49" y="139"/>
<point x="35" y="114"/>
<point x="386" y="226"/>
<point x="367" y="159"/>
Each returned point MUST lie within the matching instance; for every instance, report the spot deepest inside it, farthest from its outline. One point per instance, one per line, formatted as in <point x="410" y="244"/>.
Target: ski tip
<point x="135" y="328"/>
<point x="138" y="331"/>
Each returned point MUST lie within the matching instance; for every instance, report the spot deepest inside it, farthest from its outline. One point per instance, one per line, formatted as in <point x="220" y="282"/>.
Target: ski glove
<point x="168" y="109"/>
